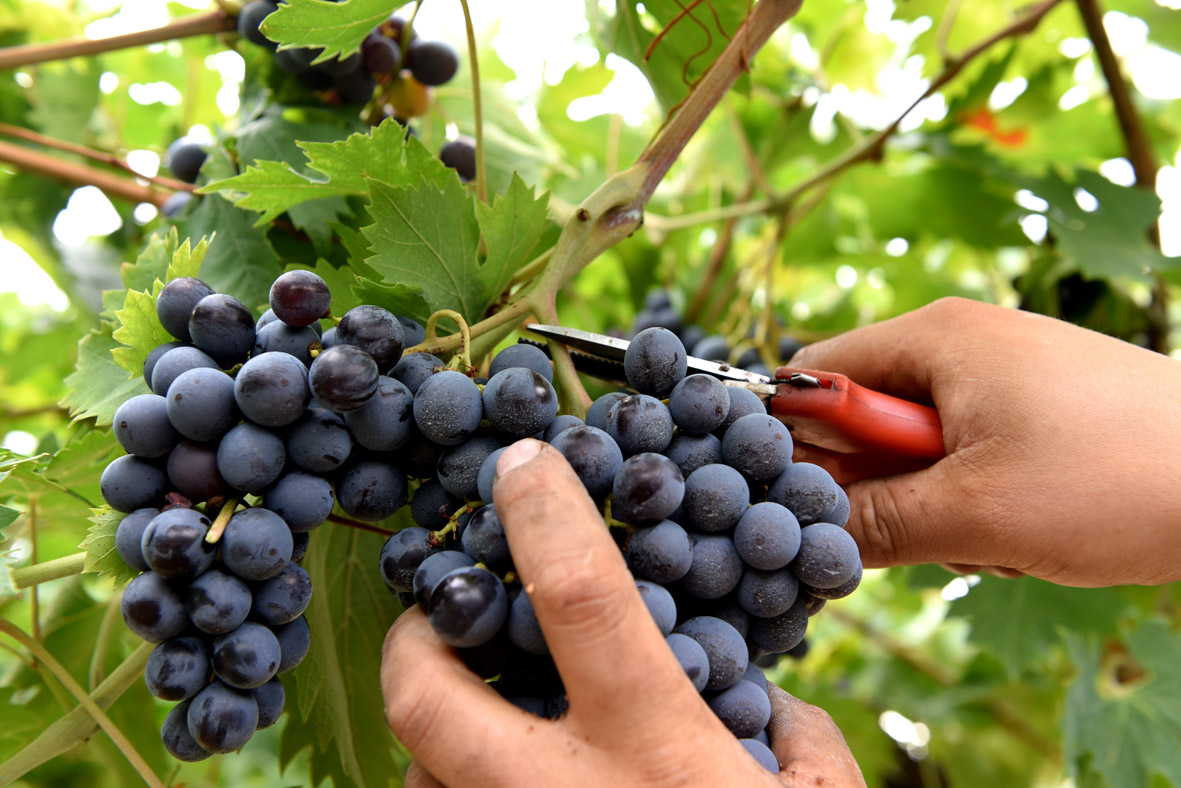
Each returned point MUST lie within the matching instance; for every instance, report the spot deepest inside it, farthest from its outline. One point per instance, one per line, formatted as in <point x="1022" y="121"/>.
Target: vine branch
<point x="79" y="175"/>
<point x="195" y="25"/>
<point x="477" y="106"/>
<point x="27" y="576"/>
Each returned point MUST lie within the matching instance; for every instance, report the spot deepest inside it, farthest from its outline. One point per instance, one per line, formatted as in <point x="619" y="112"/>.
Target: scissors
<point x="852" y="431"/>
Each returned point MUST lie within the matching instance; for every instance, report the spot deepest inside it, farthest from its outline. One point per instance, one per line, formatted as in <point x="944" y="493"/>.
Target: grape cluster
<point x="231" y="415"/>
<point x="732" y="545"/>
<point x="390" y="52"/>
<point x="659" y="312"/>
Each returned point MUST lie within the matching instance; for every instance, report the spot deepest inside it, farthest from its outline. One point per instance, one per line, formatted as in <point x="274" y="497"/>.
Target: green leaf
<point x="400" y="299"/>
<point x="99" y="545"/>
<point x="511" y="228"/>
<point x="1021" y="620"/>
<point x="341" y="715"/>
<point x="98" y="385"/>
<point x="152" y="263"/>
<point x="337" y="27"/>
<point x="1124" y="733"/>
<point x="427" y="238"/>
<point x="334" y="169"/>
<point x="186" y="260"/>
<point x="139" y="330"/>
<point x="65" y="98"/>
<point x="7" y="517"/>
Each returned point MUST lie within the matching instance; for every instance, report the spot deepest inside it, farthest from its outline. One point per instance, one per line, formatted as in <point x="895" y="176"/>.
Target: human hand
<point x="1062" y="460"/>
<point x="634" y="717"/>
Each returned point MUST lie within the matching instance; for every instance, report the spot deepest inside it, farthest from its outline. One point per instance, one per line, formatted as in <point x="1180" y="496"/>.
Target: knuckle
<point x="573" y="592"/>
<point x="950" y="309"/>
<point x="413" y="713"/>
<point x="882" y="536"/>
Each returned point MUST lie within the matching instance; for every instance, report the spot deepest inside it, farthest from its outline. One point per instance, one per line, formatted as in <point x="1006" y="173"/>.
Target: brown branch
<point x="90" y="153"/>
<point x="80" y="175"/>
<point x="1138" y="149"/>
<point x="194" y="25"/>
<point x="336" y="518"/>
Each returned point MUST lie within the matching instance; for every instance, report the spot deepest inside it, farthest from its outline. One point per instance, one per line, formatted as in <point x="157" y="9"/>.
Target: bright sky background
<point x="546" y="58"/>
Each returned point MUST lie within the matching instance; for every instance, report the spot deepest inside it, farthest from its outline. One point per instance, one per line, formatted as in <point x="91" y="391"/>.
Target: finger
<point x="810" y="747"/>
<point x="431" y="697"/>
<point x="582" y="593"/>
<point x="418" y="777"/>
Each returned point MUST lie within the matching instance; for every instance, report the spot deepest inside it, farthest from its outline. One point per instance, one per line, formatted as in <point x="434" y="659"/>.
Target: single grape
<point x="375" y="331"/>
<point x="460" y="155"/>
<point x="661" y="553"/>
<point x="783" y="632"/>
<point x="727" y="609"/>
<point x="142" y="427"/>
<point x="559" y="425"/>
<point x="178" y="668"/>
<point x="519" y="402"/>
<point x="175" y="205"/>
<point x="343" y="377"/>
<point x="716" y="569"/>
<point x="256" y="544"/>
<point x="185" y="157"/>
<point x="459" y="468"/>
<point x="521" y="355"/>
<point x="200" y="404"/>
<point x="593" y="455"/>
<point x="744" y="708"/>
<point x="755" y="675"/>
<point x="432" y="506"/>
<point x="758" y="445"/>
<point x="177" y="360"/>
<point x="402" y="554"/>
<point x="175" y="303"/>
<point x="221" y="718"/>
<point x="294" y="641"/>
<point x="596" y="414"/>
<point x="380" y="55"/>
<point x="319" y="442"/>
<point x="175" y="731"/>
<point x="299" y="545"/>
<point x="487" y="475"/>
<point x="660" y="605"/>
<point x="247" y="657"/>
<point x="828" y="556"/>
<point x="250" y="18"/>
<point x="217" y="602"/>
<point x="715" y="497"/>
<point x="767" y="536"/>
<point x="278" y="337"/>
<point x="761" y="753"/>
<point x="699" y="404"/>
<point x="192" y="471"/>
<point x="692" y="657"/>
<point x="384" y="422"/>
<point x="691" y="452"/>
<point x="223" y="327"/>
<point x="484" y="538"/>
<point x="152" y="609"/>
<point x="284" y="597"/>
<point x="328" y="338"/>
<point x="767" y="594"/>
<point x="250" y="458"/>
<point x="413" y="331"/>
<point x="523" y="628"/>
<point x="724" y="647"/>
<point x="639" y="423"/>
<point x="370" y="490"/>
<point x="129" y="483"/>
<point x="128" y="535"/>
<point x="839" y="592"/>
<point x="173" y="544"/>
<point x="647" y="489"/>
<point x="743" y="402"/>
<point x="448" y="408"/>
<point x="303" y="500"/>
<point x="272" y="389"/>
<point x="156" y="354"/>
<point x="413" y="369"/>
<point x="300" y="298"/>
<point x="270" y="698"/>
<point x="431" y="571"/>
<point x="431" y="62"/>
<point x="811" y="494"/>
<point x="468" y="607"/>
<point x="655" y="362"/>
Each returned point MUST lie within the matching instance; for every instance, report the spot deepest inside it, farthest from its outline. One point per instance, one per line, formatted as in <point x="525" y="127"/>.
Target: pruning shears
<point x="853" y="431"/>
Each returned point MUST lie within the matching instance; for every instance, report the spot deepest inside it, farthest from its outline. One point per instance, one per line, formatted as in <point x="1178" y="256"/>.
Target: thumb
<point x="809" y="746"/>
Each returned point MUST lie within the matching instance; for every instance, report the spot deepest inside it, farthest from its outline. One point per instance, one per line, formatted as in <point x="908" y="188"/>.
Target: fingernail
<point x="519" y="453"/>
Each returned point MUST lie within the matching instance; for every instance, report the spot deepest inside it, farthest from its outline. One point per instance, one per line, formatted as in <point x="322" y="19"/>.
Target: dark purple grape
<point x="270" y="699"/>
<point x="402" y="554"/>
<point x="343" y="378"/>
<point x="278" y="337"/>
<point x="170" y="365"/>
<point x="460" y="155"/>
<point x="284" y="597"/>
<point x="175" y="205"/>
<point x="432" y="505"/>
<point x="459" y="468"/>
<point x="175" y="303"/>
<point x="250" y="458"/>
<point x="448" y="408"/>
<point x="192" y="471"/>
<point x="156" y="354"/>
<point x="249" y="19"/>
<point x="655" y="361"/>
<point x="174" y="546"/>
<point x="222" y="719"/>
<point x="294" y="641"/>
<point x="223" y="327"/>
<point x="319" y="442"/>
<point x="413" y="369"/>
<point x="828" y="556"/>
<point x="256" y="544"/>
<point x="300" y="298"/>
<point x="484" y="539"/>
<point x="519" y="402"/>
<point x="380" y="55"/>
<point x="303" y="500"/>
<point x="699" y="404"/>
<point x="178" y="668"/>
<point x="593" y="455"/>
<point x="431" y="62"/>
<point x="185" y="157"/>
<point x="431" y="571"/>
<point x="369" y="489"/>
<point x="246" y="657"/>
<point x="176" y="737"/>
<point x="640" y="423"/>
<point x="468" y="607"/>
<point x="355" y="88"/>
<point x="647" y="489"/>
<point x="200" y="404"/>
<point x="723" y="645"/>
<point x="271" y="389"/>
<point x="386" y="421"/>
<point x="152" y="608"/>
<point x="129" y="483"/>
<point x="757" y="445"/>
<point x="662" y="553"/>
<point x="217" y="602"/>
<point x="375" y="331"/>
<point x="522" y="356"/>
<point x="142" y="427"/>
<point x="128" y="536"/>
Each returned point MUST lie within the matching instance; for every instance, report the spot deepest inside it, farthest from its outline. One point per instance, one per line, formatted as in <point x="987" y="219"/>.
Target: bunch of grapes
<point x="659" y="312"/>
<point x="732" y="545"/>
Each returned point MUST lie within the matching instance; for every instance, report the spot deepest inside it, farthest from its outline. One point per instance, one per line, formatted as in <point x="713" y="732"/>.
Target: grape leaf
<point x="1020" y="620"/>
<point x="1125" y="733"/>
<point x="511" y="227"/>
<point x="151" y="263"/>
<point x="400" y="299"/>
<point x="341" y="715"/>
<point x="99" y="546"/>
<point x="98" y="386"/>
<point x="8" y="516"/>
<point x="187" y="259"/>
<point x="428" y="238"/>
<point x="336" y="169"/>
<point x="337" y="27"/>
<point x="139" y="330"/>
<point x="242" y="263"/>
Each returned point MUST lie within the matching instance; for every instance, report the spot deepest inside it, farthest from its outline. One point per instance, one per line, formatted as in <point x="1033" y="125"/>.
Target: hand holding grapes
<point x="634" y="718"/>
<point x="1062" y="459"/>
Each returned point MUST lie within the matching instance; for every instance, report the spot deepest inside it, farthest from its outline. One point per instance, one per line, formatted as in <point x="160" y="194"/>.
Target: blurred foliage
<point x="992" y="190"/>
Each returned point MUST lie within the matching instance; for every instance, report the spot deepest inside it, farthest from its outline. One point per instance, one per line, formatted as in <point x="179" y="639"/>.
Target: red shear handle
<point x="844" y="417"/>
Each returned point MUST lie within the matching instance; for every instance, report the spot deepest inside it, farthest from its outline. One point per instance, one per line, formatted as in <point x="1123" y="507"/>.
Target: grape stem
<point x="336" y="518"/>
<point x="439" y="537"/>
<point x="87" y="702"/>
<point x="464" y="358"/>
<point x="477" y="106"/>
<point x="195" y="25"/>
<point x="223" y="519"/>
<point x="28" y="576"/>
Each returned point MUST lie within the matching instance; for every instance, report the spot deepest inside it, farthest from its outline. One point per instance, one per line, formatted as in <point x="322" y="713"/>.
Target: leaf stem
<point x="442" y="345"/>
<point x="35" y="574"/>
<point x="95" y="155"/>
<point x="477" y="104"/>
<point x="79" y="175"/>
<point x="194" y="25"/>
<point x="87" y="702"/>
<point x="223" y="519"/>
<point x="102" y="641"/>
